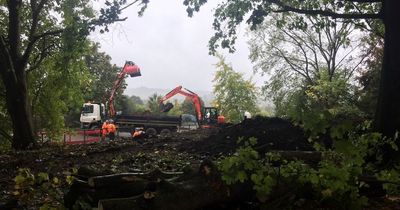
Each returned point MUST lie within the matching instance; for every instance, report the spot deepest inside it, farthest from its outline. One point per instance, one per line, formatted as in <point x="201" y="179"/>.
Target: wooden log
<point x="78" y="188"/>
<point x="92" y="195"/>
<point x="121" y="191"/>
<point x="119" y="203"/>
<point x="123" y="178"/>
<point x="193" y="194"/>
<point x="205" y="189"/>
<point x="113" y="180"/>
<point x="202" y="190"/>
<point x="85" y="172"/>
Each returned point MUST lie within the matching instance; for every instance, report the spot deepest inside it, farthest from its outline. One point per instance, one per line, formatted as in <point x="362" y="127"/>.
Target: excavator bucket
<point x="132" y="69"/>
<point x="166" y="107"/>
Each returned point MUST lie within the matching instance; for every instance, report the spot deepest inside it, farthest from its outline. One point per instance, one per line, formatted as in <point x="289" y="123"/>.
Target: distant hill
<point x="144" y="93"/>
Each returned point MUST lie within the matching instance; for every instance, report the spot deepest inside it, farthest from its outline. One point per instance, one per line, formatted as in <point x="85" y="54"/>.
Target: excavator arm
<point x="130" y="68"/>
<point x="185" y="92"/>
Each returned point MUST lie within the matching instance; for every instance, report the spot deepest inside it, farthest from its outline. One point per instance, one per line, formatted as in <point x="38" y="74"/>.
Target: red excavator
<point x="209" y="119"/>
<point x="131" y="69"/>
<point x="93" y="114"/>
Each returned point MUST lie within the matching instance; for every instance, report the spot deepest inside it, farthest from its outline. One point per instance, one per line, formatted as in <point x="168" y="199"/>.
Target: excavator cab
<point x="210" y="116"/>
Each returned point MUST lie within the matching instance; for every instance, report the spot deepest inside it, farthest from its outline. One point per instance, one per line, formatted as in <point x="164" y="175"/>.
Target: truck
<point x="94" y="114"/>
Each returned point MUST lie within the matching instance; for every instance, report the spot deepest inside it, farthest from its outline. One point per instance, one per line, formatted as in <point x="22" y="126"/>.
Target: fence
<point x="79" y="136"/>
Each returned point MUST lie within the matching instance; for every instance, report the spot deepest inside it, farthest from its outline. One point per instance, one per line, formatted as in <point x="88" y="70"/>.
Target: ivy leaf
<point x="42" y="177"/>
<point x="241" y="176"/>
<point x="19" y="180"/>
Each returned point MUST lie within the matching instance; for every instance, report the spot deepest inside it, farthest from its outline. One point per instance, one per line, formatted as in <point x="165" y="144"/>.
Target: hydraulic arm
<point x="130" y="68"/>
<point x="185" y="92"/>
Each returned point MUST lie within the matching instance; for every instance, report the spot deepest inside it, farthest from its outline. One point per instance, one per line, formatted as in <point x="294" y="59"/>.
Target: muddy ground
<point x="173" y="153"/>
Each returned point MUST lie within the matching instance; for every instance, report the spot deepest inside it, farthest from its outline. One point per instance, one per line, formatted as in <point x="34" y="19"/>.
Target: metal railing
<point x="78" y="136"/>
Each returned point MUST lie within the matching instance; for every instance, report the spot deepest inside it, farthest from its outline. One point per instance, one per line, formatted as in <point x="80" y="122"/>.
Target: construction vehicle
<point x="94" y="114"/>
<point x="206" y="116"/>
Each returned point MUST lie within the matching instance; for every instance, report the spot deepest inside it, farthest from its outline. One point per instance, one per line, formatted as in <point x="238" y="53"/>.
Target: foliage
<point x="130" y="105"/>
<point x="40" y="188"/>
<point x="304" y="52"/>
<point x="233" y="94"/>
<point x="33" y="32"/>
<point x="153" y="103"/>
<point x="327" y="106"/>
<point x="334" y="183"/>
<point x="187" y="106"/>
<point x="136" y="100"/>
<point x="177" y="110"/>
<point x="392" y="188"/>
<point x="102" y="75"/>
<point x="297" y="57"/>
<point x="55" y="89"/>
<point x="369" y="74"/>
<point x="230" y="14"/>
<point x="5" y="145"/>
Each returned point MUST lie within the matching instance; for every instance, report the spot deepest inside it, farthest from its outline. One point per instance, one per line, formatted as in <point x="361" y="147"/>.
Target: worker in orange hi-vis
<point x="104" y="130"/>
<point x="111" y="129"/>
<point x="139" y="133"/>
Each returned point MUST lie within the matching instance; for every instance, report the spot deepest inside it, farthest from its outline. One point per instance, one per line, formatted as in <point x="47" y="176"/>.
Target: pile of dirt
<point x="271" y="133"/>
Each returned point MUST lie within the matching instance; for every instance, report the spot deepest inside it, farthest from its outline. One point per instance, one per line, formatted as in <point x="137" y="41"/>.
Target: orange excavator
<point x="210" y="118"/>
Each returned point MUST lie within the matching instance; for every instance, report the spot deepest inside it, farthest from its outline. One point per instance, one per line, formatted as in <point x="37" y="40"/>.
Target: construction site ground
<point x="172" y="154"/>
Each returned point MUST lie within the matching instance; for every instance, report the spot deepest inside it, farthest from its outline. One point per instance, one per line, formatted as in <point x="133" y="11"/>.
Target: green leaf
<point x="42" y="177"/>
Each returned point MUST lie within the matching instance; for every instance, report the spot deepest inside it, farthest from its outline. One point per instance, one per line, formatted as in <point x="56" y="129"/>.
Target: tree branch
<point x="365" y="1"/>
<point x="326" y="13"/>
<point x="302" y="50"/>
<point x="36" y="9"/>
<point x="293" y="66"/>
<point x="44" y="52"/>
<point x="130" y="4"/>
<point x="14" y="35"/>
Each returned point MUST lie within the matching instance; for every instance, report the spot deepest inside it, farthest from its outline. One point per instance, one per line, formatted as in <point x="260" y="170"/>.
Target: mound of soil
<point x="271" y="133"/>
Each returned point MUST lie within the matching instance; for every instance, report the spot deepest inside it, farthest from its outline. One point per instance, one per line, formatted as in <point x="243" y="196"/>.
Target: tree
<point x="126" y="105"/>
<point x="26" y="28"/>
<point x="230" y="14"/>
<point x="137" y="100"/>
<point x="55" y="92"/>
<point x="297" y="57"/>
<point x="370" y="73"/>
<point x="187" y="106"/>
<point x="130" y="105"/>
<point x="153" y="103"/>
<point x="176" y="110"/>
<point x="102" y="76"/>
<point x="233" y="94"/>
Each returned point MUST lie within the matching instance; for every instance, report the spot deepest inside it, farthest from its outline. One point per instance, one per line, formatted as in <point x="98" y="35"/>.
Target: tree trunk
<point x="19" y="109"/>
<point x="387" y="119"/>
<point x="12" y="71"/>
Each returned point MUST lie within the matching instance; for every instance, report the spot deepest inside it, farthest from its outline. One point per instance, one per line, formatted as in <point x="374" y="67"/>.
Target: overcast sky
<point x="170" y="47"/>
